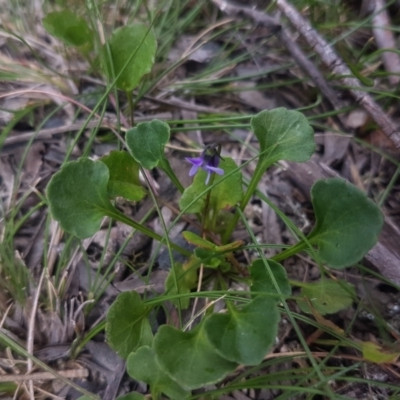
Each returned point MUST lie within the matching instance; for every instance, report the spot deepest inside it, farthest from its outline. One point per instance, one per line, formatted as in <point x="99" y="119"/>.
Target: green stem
<point x="291" y="251"/>
<point x="119" y="216"/>
<point x="129" y="95"/>
<point x="251" y="188"/>
<point x="206" y="209"/>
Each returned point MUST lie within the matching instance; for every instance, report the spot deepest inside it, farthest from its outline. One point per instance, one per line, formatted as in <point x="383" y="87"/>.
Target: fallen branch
<point x="332" y="60"/>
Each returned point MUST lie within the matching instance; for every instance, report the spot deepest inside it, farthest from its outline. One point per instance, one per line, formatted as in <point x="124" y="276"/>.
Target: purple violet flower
<point x="208" y="161"/>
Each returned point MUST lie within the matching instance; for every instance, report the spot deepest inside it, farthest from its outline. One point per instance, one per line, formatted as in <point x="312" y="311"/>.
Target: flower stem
<point x="119" y="216"/>
<point x="206" y="209"/>
<point x="251" y="188"/>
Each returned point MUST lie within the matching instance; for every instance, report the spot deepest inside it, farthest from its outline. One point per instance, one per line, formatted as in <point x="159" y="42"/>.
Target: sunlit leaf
<point x="326" y="296"/>
<point x="189" y="358"/>
<point x="347" y="222"/>
<point x="78" y="197"/>
<point x="245" y="336"/>
<point x="262" y="281"/>
<point x="128" y="326"/>
<point x="225" y="194"/>
<point x="146" y="142"/>
<point x="132" y="50"/>
<point x="124" y="176"/>
<point x="142" y="366"/>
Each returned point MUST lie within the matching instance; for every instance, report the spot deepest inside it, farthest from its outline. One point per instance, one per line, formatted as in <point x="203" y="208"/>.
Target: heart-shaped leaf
<point x="132" y="51"/>
<point x="245" y="336"/>
<point x="326" y="296"/>
<point x="142" y="366"/>
<point x="283" y="135"/>
<point x="124" y="176"/>
<point x="128" y="326"/>
<point x="69" y="27"/>
<point x="146" y="142"/>
<point x="225" y="193"/>
<point x="78" y="197"/>
<point x="262" y="281"/>
<point x="347" y="222"/>
<point x="189" y="358"/>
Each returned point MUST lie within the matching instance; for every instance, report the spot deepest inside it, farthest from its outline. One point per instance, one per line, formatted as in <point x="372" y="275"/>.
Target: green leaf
<point x="373" y="352"/>
<point x="229" y="247"/>
<point x="262" y="281"/>
<point x="132" y="50"/>
<point x="209" y="258"/>
<point x="186" y="277"/>
<point x="128" y="326"/>
<point x="142" y="366"/>
<point x="132" y="396"/>
<point x="283" y="135"/>
<point x="69" y="27"/>
<point x="347" y="222"/>
<point x="146" y="142"/>
<point x="124" y="176"/>
<point x="198" y="241"/>
<point x="326" y="296"/>
<point x="189" y="358"/>
<point x="226" y="192"/>
<point x="78" y="197"/>
<point x="245" y="336"/>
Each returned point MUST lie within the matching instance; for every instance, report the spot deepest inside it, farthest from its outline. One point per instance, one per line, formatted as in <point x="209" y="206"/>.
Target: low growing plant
<point x="175" y="360"/>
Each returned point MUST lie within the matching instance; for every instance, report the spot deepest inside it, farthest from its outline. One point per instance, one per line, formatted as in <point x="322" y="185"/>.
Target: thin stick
<point x="36" y="376"/>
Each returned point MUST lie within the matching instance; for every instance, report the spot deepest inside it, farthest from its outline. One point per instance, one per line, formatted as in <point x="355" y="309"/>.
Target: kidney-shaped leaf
<point x="142" y="366"/>
<point x="283" y="135"/>
<point x="262" y="281"/>
<point x="132" y="48"/>
<point x="69" y="27"/>
<point x="189" y="358"/>
<point x="124" y="176"/>
<point x="78" y="197"/>
<point x="146" y="142"/>
<point x="128" y="326"/>
<point x="326" y="296"/>
<point x="347" y="222"/>
<point x="245" y="336"/>
<point x="226" y="193"/>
